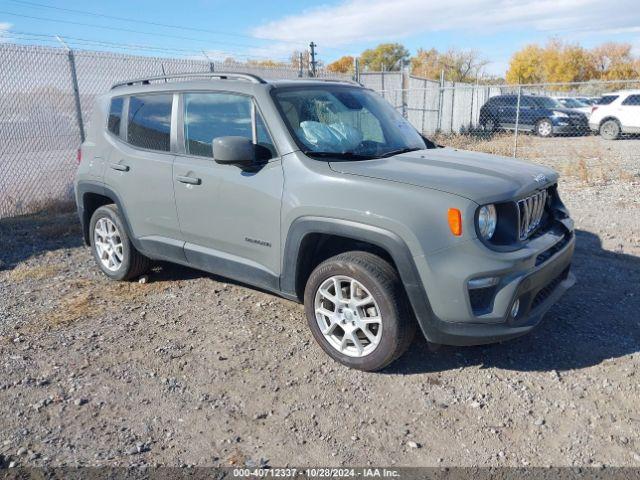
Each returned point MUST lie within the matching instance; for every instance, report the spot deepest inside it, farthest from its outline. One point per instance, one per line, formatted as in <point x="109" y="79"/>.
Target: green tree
<point x="386" y="56"/>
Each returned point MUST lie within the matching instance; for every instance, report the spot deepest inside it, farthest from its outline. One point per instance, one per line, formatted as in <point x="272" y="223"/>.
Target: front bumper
<point x="571" y="127"/>
<point x="537" y="276"/>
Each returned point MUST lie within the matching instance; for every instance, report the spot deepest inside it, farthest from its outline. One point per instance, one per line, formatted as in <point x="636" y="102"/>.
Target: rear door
<point x="630" y="113"/>
<point x="139" y="169"/>
<point x="229" y="217"/>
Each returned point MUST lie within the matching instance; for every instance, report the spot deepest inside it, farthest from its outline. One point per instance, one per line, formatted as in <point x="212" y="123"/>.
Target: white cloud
<point x="4" y="28"/>
<point x="374" y="20"/>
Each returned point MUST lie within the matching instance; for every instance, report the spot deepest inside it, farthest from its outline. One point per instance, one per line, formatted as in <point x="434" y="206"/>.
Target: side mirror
<point x="234" y="150"/>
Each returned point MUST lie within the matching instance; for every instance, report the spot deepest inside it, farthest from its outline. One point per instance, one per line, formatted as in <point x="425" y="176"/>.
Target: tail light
<point x="79" y="156"/>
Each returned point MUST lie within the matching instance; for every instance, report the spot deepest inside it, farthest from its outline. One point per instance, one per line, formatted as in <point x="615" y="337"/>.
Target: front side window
<point x="208" y="116"/>
<point x="115" y="116"/>
<point x="149" y="122"/>
<point x="633" y="100"/>
<point x="345" y="122"/>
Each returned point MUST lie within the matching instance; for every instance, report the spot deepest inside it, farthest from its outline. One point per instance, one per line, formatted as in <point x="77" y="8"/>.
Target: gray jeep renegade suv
<point x="321" y="192"/>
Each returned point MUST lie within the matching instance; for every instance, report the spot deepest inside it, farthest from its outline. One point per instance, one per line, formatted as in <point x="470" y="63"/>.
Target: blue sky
<point x="260" y="29"/>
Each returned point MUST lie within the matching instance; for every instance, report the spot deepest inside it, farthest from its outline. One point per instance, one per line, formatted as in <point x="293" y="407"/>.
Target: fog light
<point x="515" y="308"/>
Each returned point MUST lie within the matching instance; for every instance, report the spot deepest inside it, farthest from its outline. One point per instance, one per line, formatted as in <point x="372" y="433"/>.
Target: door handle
<point x="120" y="167"/>
<point x="189" y="180"/>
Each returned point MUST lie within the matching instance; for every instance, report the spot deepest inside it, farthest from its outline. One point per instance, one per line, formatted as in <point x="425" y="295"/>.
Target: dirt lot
<point x="188" y="369"/>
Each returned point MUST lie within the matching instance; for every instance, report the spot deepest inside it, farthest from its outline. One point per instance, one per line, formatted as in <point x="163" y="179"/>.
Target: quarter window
<point x="149" y="122"/>
<point x="115" y="116"/>
<point x="632" y="100"/>
<point x="606" y="99"/>
<point x="211" y="115"/>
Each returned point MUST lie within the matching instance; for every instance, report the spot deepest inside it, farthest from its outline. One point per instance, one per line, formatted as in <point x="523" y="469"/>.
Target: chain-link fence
<point x="46" y="95"/>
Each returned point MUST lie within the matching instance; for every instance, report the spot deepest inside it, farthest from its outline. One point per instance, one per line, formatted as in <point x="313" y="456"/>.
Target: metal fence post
<point x="453" y="103"/>
<point x="404" y="80"/>
<point x="515" y="137"/>
<point x="440" y="101"/>
<point x="424" y="105"/>
<point x="356" y="69"/>
<point x="76" y="92"/>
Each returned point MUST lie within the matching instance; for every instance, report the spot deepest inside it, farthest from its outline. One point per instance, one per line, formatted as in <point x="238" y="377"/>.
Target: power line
<point x="126" y="46"/>
<point x="146" y="22"/>
<point x="128" y="30"/>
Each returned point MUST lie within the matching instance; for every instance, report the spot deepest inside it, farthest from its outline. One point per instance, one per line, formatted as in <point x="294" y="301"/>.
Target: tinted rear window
<point x="115" y="116"/>
<point x="149" y="122"/>
<point x="632" y="100"/>
<point x="606" y="100"/>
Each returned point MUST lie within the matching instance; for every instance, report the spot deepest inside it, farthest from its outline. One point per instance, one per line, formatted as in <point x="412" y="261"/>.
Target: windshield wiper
<point x="399" y="151"/>
<point x="338" y="155"/>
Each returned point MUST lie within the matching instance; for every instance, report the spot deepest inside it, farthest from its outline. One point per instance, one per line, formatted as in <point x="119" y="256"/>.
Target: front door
<point x="229" y="217"/>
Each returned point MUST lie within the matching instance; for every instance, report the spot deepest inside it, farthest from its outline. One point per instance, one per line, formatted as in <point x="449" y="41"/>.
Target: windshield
<point x="572" y="103"/>
<point x="345" y="122"/>
<point x="547" y="102"/>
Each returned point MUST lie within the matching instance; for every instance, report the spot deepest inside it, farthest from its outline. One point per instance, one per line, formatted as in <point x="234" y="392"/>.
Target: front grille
<point x="543" y="294"/>
<point x="530" y="212"/>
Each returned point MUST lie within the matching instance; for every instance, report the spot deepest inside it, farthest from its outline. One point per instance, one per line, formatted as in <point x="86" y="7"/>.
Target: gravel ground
<point x="188" y="369"/>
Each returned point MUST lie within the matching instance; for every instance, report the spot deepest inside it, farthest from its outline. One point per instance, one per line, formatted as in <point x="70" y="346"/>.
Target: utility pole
<point x="313" y="62"/>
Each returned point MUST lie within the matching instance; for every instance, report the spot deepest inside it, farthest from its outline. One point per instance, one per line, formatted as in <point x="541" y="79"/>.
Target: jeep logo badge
<point x="540" y="178"/>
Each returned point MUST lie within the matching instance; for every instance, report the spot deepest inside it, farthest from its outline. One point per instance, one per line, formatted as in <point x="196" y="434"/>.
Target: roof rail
<point x="220" y="75"/>
<point x="336" y="80"/>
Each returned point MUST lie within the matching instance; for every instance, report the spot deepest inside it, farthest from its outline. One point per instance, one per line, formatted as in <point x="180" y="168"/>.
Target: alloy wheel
<point x="108" y="244"/>
<point x="545" y="128"/>
<point x="348" y="316"/>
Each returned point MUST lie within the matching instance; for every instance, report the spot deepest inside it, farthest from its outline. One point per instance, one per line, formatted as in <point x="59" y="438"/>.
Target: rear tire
<point x="610" y="129"/>
<point x="365" y="324"/>
<point x="544" y="128"/>
<point x="111" y="247"/>
<point x="488" y="125"/>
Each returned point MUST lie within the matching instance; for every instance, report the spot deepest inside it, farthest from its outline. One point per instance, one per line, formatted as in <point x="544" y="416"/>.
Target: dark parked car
<point x="541" y="115"/>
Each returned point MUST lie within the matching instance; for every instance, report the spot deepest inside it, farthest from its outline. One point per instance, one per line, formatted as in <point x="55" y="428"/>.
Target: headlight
<point x="560" y="114"/>
<point x="487" y="221"/>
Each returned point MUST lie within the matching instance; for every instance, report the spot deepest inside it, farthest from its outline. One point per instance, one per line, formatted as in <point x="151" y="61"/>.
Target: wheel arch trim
<point x="384" y="239"/>
<point x="87" y="186"/>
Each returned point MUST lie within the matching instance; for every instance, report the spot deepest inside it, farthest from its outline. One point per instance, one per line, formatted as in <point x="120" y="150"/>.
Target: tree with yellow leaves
<point x="342" y="65"/>
<point x="561" y="62"/>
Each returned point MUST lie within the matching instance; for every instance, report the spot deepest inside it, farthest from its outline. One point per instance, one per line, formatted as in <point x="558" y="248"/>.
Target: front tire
<point x="111" y="247"/>
<point x="358" y="312"/>
<point x="544" y="128"/>
<point x="610" y="130"/>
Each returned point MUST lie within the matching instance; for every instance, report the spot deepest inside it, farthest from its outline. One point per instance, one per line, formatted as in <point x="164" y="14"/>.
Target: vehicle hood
<point x="480" y="177"/>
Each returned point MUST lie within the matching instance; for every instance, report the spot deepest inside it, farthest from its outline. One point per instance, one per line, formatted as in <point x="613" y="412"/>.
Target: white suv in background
<point x="616" y="113"/>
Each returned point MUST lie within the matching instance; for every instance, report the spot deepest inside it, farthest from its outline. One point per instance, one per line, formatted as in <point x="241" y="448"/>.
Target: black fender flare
<point x="87" y="186"/>
<point x="387" y="240"/>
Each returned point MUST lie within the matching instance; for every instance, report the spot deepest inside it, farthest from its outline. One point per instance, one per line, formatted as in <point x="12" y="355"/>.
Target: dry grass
<point x="33" y="272"/>
<point x="584" y="158"/>
<point x="52" y="231"/>
<point x="74" y="307"/>
<point x="498" y="144"/>
<point x="90" y="298"/>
